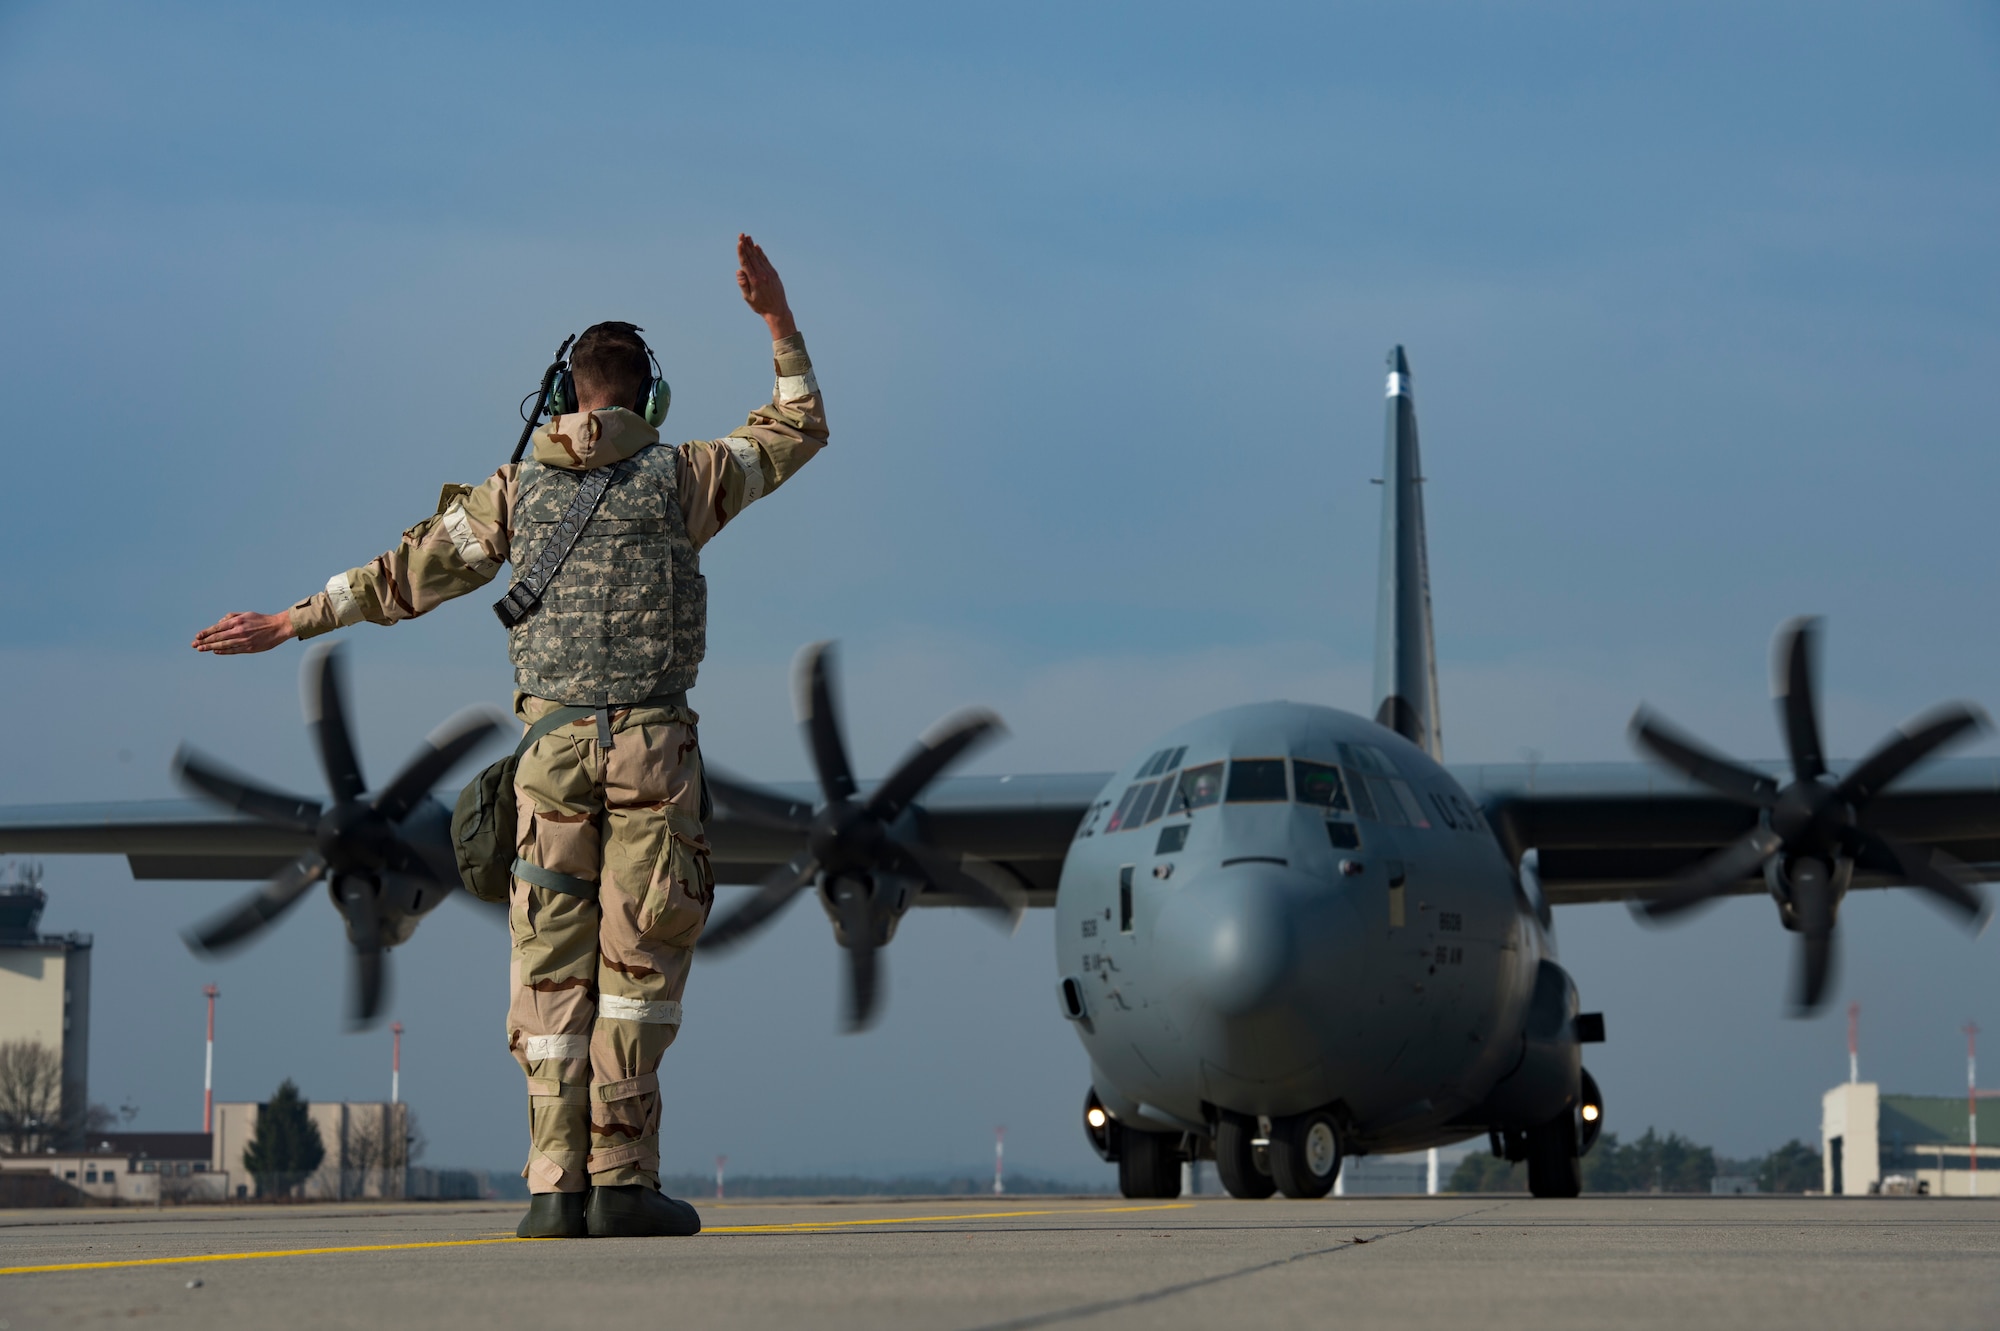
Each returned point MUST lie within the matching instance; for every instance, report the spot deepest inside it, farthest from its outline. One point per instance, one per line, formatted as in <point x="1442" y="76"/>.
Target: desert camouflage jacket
<point x="462" y="545"/>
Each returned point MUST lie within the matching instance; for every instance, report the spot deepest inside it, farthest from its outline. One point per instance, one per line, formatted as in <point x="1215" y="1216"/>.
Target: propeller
<point x="1812" y="832"/>
<point x="854" y="851"/>
<point x="363" y="844"/>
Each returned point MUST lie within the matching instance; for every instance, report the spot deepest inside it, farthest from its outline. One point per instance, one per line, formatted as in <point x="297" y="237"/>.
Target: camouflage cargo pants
<point x="597" y="978"/>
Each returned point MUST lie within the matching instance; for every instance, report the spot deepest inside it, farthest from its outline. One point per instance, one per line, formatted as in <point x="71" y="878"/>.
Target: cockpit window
<point x="1257" y="780"/>
<point x="1124" y="809"/>
<point x="1160" y="798"/>
<point x="1201" y="786"/>
<point x="1319" y="783"/>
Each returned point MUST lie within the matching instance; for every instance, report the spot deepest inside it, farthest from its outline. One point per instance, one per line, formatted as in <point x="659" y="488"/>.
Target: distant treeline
<point x="697" y="1186"/>
<point x="1652" y="1164"/>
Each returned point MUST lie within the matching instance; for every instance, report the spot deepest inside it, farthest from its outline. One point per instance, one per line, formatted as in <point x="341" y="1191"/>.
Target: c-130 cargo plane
<point x="1285" y="934"/>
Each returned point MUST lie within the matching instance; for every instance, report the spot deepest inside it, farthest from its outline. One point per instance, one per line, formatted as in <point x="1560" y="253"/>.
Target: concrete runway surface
<point x="1476" y="1263"/>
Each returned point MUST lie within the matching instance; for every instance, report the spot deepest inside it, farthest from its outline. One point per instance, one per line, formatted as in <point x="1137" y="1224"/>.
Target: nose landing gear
<point x="1300" y="1158"/>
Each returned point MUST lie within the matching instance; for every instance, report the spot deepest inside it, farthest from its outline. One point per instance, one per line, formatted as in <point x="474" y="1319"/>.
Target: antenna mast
<point x="1854" y="1042"/>
<point x="208" y="1065"/>
<point x="1972" y="1103"/>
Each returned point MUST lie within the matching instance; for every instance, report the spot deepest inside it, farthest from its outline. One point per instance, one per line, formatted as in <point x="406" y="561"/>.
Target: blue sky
<point x="1699" y="300"/>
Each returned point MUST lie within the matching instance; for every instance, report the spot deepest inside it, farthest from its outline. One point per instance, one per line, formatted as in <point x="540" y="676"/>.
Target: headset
<point x="557" y="396"/>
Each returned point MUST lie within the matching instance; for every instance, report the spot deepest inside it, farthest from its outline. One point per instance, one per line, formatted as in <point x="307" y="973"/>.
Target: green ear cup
<point x="658" y="399"/>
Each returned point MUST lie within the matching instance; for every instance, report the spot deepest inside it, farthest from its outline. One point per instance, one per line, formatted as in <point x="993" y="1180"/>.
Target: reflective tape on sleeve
<point x="751" y="462"/>
<point x="792" y="387"/>
<point x="665" y="1012"/>
<point x="346" y="610"/>
<point x="557" y="1046"/>
<point x="459" y="528"/>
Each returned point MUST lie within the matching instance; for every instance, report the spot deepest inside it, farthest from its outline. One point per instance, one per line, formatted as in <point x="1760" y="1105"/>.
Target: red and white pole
<point x="999" y="1161"/>
<point x="208" y="1065"/>
<point x="720" y="1161"/>
<point x="396" y="1064"/>
<point x="1972" y="1103"/>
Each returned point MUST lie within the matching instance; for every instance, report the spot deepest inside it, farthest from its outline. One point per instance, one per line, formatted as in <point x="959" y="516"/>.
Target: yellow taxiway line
<point x="797" y="1227"/>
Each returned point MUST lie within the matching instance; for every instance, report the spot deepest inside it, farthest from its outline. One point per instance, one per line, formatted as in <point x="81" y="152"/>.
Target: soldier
<point x="612" y="885"/>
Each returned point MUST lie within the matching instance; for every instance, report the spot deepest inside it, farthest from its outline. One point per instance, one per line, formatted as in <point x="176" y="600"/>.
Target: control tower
<point x="45" y="991"/>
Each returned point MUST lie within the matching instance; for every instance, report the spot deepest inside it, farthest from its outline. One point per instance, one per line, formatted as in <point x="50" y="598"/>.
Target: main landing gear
<point x="1300" y="1158"/>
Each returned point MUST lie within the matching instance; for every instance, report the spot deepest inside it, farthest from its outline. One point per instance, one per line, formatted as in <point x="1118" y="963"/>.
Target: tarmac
<point x="1468" y="1263"/>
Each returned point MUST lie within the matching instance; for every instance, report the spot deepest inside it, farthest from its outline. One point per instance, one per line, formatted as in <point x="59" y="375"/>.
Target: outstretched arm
<point x="721" y="477"/>
<point x="456" y="550"/>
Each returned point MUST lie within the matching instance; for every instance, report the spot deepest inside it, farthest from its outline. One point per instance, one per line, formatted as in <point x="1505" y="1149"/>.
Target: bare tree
<point x="30" y="1095"/>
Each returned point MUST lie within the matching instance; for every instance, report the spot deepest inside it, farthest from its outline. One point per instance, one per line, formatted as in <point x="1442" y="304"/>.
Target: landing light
<point x="1097" y="1118"/>
<point x="1590" y="1113"/>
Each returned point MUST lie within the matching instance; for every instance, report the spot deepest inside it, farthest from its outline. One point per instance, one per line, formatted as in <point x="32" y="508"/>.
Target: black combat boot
<point x="636" y="1211"/>
<point x="553" y="1215"/>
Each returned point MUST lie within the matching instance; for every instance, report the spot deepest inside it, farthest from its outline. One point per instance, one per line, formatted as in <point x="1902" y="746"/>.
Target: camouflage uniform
<point x="612" y="886"/>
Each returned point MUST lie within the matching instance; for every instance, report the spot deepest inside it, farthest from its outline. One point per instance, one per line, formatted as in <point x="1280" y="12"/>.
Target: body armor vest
<point x="626" y="617"/>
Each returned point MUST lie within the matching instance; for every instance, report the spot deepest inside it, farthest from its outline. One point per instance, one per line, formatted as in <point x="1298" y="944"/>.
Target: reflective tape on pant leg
<point x="557" y="1046"/>
<point x="663" y="1012"/>
<point x="629" y="1089"/>
<point x="645" y="1151"/>
<point x="556" y="1171"/>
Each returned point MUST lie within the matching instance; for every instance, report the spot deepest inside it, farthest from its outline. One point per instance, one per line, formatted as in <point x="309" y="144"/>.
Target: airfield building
<point x="1874" y="1143"/>
<point x="45" y="997"/>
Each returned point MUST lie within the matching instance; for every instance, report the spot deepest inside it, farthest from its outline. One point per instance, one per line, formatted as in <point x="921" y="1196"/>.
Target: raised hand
<point x="763" y="290"/>
<point x="244" y="631"/>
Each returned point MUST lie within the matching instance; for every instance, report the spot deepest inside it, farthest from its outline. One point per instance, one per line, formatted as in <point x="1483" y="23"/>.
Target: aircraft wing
<point x="165" y="839"/>
<point x="1018" y="826"/>
<point x="1616" y="831"/>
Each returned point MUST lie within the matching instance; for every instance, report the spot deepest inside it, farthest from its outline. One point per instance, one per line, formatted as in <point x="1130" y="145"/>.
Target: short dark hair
<point x="611" y="359"/>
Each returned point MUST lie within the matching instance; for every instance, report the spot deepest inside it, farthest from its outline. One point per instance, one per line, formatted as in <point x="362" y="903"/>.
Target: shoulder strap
<point x="526" y="593"/>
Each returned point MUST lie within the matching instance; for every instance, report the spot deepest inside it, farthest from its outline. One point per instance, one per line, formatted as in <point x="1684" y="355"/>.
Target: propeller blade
<point x="442" y="750"/>
<point x="207" y="777"/>
<point x="1914" y="741"/>
<point x="773" y="895"/>
<point x="1718" y="875"/>
<point x="937" y="748"/>
<point x="326" y="717"/>
<point x="935" y="866"/>
<point x="1926" y="869"/>
<point x="1795" y="682"/>
<point x="753" y="804"/>
<point x="1696" y="761"/>
<point x="250" y="915"/>
<point x="812" y="691"/>
<point x="1812" y="899"/>
<point x="851" y="900"/>
<point x="364" y="932"/>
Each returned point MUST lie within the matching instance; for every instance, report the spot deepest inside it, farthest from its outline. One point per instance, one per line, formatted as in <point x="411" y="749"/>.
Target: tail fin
<point x="1406" y="692"/>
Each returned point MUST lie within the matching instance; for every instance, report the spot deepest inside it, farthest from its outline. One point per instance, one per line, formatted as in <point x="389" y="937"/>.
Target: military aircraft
<point x="1285" y="934"/>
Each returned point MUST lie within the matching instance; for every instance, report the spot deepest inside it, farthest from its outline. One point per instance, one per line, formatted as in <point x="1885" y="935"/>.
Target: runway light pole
<point x="208" y="1064"/>
<point x="720" y="1161"/>
<point x="396" y="1064"/>
<point x="999" y="1160"/>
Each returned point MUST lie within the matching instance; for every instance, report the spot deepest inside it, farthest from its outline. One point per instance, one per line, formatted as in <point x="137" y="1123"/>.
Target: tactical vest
<point x="627" y="616"/>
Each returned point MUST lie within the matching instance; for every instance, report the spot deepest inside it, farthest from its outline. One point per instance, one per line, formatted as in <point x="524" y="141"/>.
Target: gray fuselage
<point x="1336" y="926"/>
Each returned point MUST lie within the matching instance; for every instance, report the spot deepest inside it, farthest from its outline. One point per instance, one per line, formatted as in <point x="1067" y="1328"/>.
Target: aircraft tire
<point x="1236" y="1159"/>
<point x="1554" y="1167"/>
<point x="1149" y="1163"/>
<point x="1305" y="1154"/>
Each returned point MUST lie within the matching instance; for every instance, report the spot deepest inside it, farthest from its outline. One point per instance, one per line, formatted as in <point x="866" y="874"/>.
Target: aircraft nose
<point x="1232" y="935"/>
